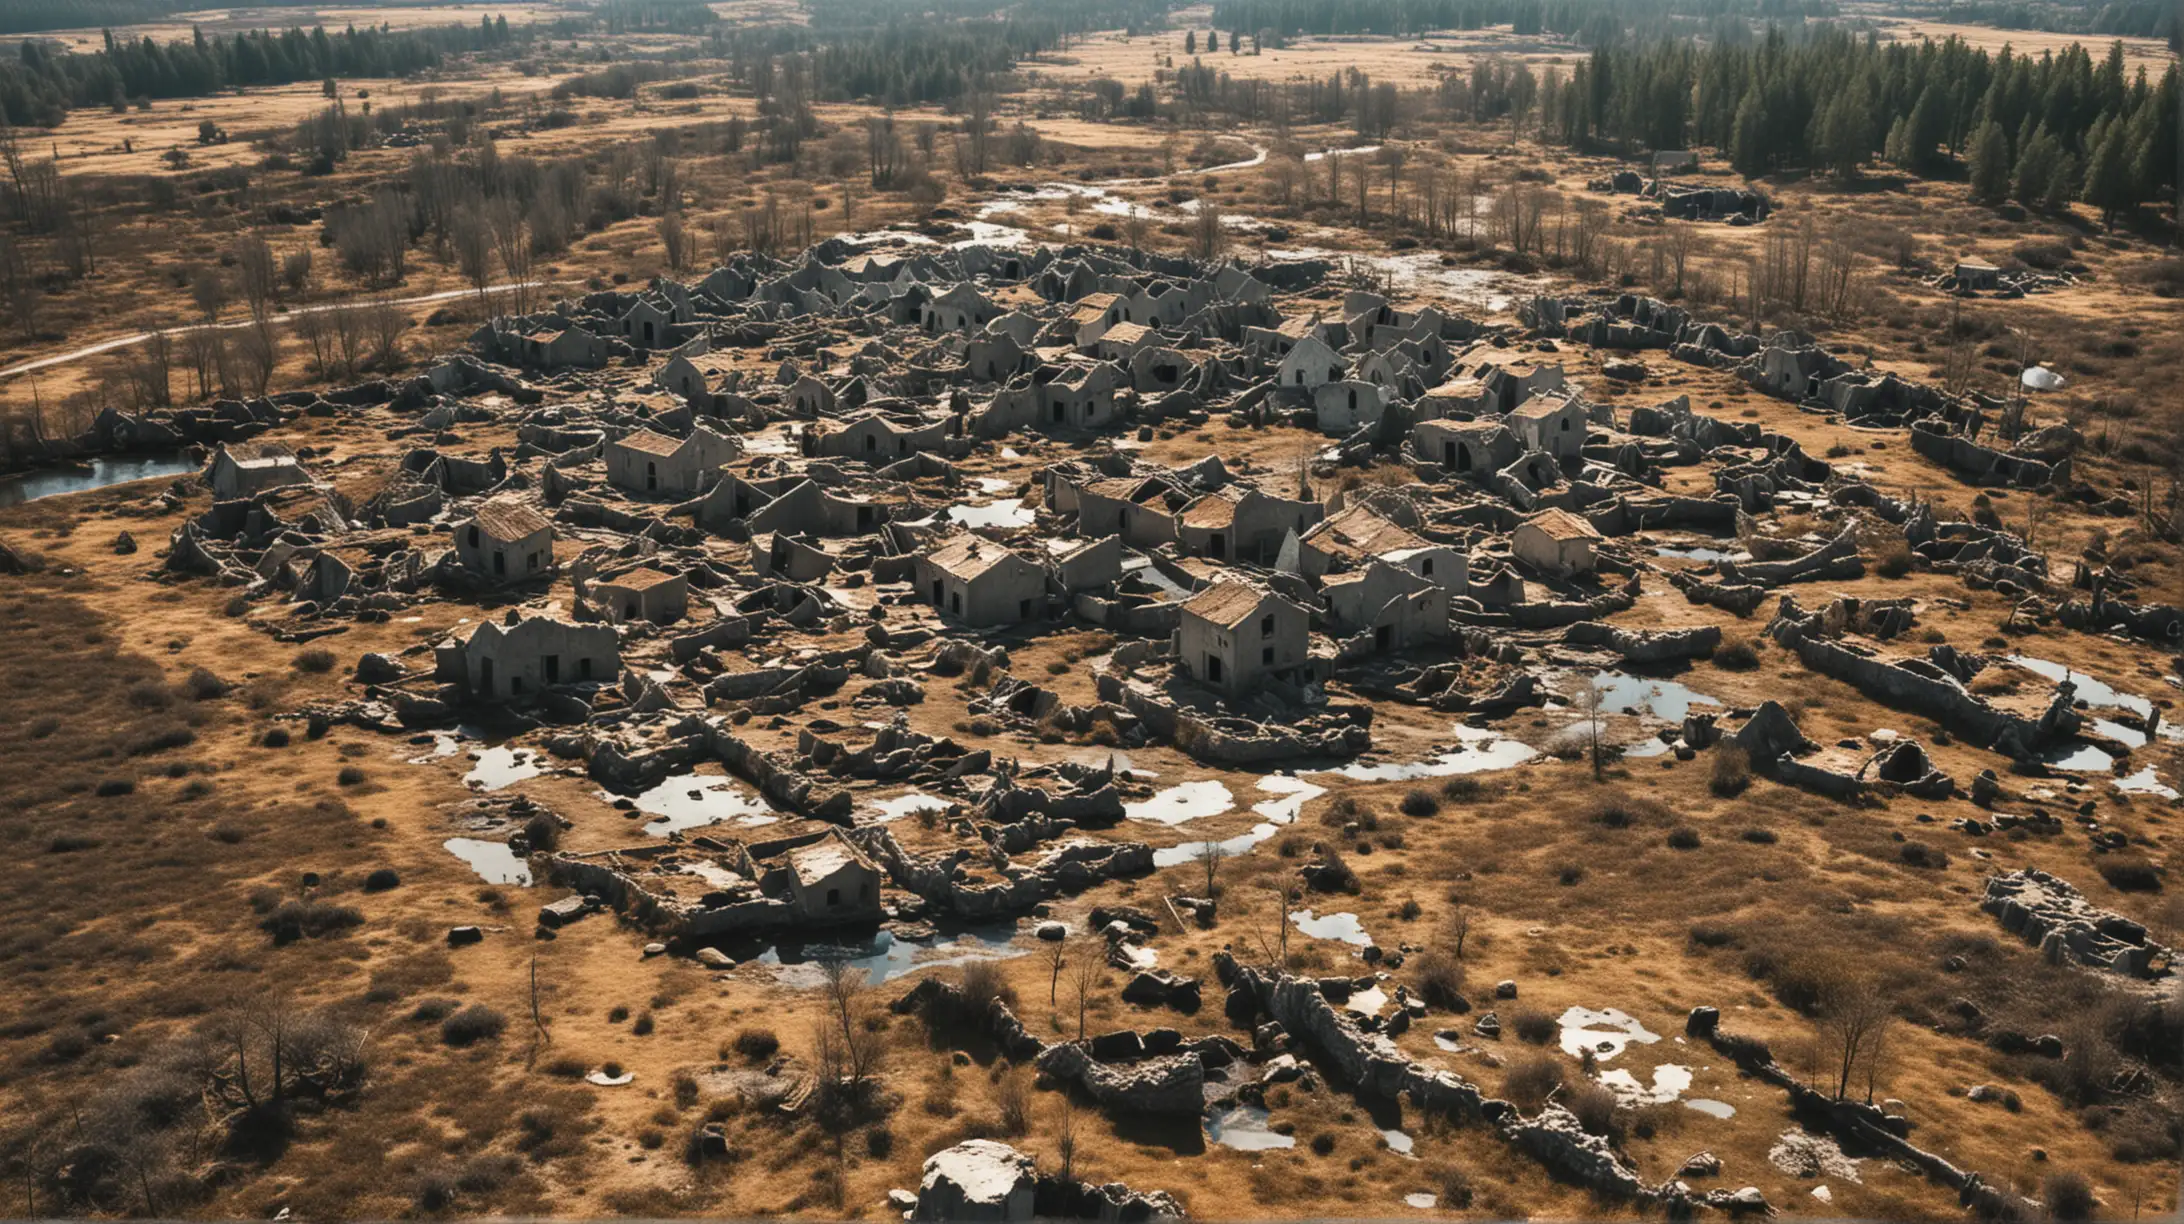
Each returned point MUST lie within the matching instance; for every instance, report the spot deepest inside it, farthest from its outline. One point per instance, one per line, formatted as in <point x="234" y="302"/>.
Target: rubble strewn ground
<point x="1044" y="625"/>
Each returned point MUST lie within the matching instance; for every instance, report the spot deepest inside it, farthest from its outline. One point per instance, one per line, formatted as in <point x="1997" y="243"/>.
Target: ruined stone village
<point x="734" y="534"/>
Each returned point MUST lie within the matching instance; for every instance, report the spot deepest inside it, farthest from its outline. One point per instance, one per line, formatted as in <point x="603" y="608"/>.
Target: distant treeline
<point x="2127" y="18"/>
<point x="1407" y="18"/>
<point x="40" y="86"/>
<point x="895" y="64"/>
<point x="2045" y="129"/>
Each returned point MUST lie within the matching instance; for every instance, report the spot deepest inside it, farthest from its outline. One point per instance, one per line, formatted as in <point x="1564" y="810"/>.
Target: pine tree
<point x="2108" y="180"/>
<point x="1190" y="42"/>
<point x="1990" y="169"/>
<point x="1747" y="142"/>
<point x="2036" y="168"/>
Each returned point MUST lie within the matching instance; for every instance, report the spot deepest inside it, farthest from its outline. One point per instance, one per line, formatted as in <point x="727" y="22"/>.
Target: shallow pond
<point x="502" y="767"/>
<point x="1006" y="512"/>
<point x="94" y="474"/>
<point x="1345" y="927"/>
<point x="692" y="801"/>
<point x="1244" y="1128"/>
<point x="1606" y="1033"/>
<point x="883" y="957"/>
<point x="1478" y="751"/>
<point x="1182" y="802"/>
<point x="494" y="862"/>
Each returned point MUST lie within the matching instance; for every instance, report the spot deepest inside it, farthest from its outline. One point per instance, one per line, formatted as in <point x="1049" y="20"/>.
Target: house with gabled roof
<point x="505" y="540"/>
<point x="1556" y="425"/>
<point x="1234" y="636"/>
<point x="979" y="582"/>
<point x="657" y="465"/>
<point x="1310" y="362"/>
<point x="1345" y="541"/>
<point x="1555" y="541"/>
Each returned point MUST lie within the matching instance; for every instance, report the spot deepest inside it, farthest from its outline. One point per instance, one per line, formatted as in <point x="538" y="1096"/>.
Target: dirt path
<point x="108" y="346"/>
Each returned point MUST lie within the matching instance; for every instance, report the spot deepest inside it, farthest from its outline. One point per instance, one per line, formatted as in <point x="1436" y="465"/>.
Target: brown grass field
<point x="157" y="829"/>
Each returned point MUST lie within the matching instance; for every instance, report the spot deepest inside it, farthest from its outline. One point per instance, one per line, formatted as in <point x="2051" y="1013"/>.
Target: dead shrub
<point x="2068" y="1195"/>
<point x="1617" y="810"/>
<point x="2130" y="873"/>
<point x="1420" y="802"/>
<point x="293" y="920"/>
<point x="1730" y="773"/>
<point x="1597" y="1109"/>
<point x="757" y="1044"/>
<point x="318" y="661"/>
<point x="1533" y="1025"/>
<point x="1439" y="978"/>
<point x="1919" y="854"/>
<point x="471" y="1025"/>
<point x="1683" y="837"/>
<point x="1532" y="1079"/>
<point x="1736" y="654"/>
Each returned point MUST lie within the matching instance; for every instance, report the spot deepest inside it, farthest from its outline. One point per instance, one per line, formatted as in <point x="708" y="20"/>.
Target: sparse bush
<point x="1569" y="874"/>
<point x="2068" y="1195"/>
<point x="318" y="661"/>
<point x="1533" y="1025"/>
<point x="2130" y="873"/>
<point x="1012" y="1102"/>
<point x="1919" y="854"/>
<point x="1420" y="802"/>
<point x="757" y="1045"/>
<point x="982" y="983"/>
<point x="1892" y="559"/>
<point x="1462" y="789"/>
<point x="202" y="685"/>
<point x="293" y="920"/>
<point x="471" y="1025"/>
<point x="1760" y="837"/>
<point x="275" y="737"/>
<point x="381" y="879"/>
<point x="1617" y="810"/>
<point x="1730" y="773"/>
<point x="1736" y="654"/>
<point x="644" y="1025"/>
<point x="1440" y="979"/>
<point x="542" y="832"/>
<point x="1708" y="935"/>
<point x="1596" y="1107"/>
<point x="1532" y="1079"/>
<point x="1683" y="837"/>
<point x="350" y="775"/>
<point x="1323" y="1144"/>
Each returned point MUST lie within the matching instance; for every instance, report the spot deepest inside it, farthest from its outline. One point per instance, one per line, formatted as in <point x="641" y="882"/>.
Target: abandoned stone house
<point x="1458" y="399"/>
<point x="1275" y="343"/>
<point x="704" y="380"/>
<point x="554" y="348"/>
<point x="808" y="397"/>
<point x="1083" y="395"/>
<point x="1464" y="447"/>
<point x="1133" y="507"/>
<point x="1342" y="408"/>
<point x="234" y="476"/>
<point x="646" y="323"/>
<point x="1553" y="425"/>
<point x="643" y="594"/>
<point x="518" y="659"/>
<point x="833" y="883"/>
<point x="876" y="435"/>
<point x="1977" y="274"/>
<point x="1400" y="609"/>
<point x="1234" y="636"/>
<point x="1123" y="340"/>
<point x="978" y="582"/>
<point x="1344" y="541"/>
<point x="653" y="464"/>
<point x="1242" y="523"/>
<point x="1310" y="362"/>
<point x="506" y="540"/>
<point x="962" y="308"/>
<point x="1555" y="541"/>
<point x="784" y="555"/>
<point x="1514" y="383"/>
<point x="1437" y="563"/>
<point x="1090" y="318"/>
<point x="996" y="357"/>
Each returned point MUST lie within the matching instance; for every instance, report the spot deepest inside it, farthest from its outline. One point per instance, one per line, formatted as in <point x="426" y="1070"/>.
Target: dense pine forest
<point x="2043" y="130"/>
